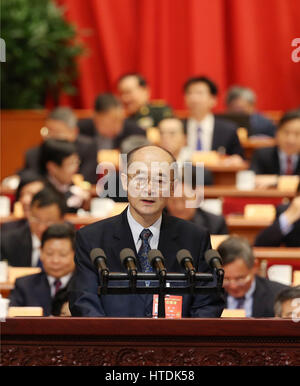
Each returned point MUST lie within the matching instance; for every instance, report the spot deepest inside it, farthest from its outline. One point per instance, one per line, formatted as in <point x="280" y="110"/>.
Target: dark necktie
<point x="143" y="252"/>
<point x="199" y="143"/>
<point x="289" y="166"/>
<point x="240" y="302"/>
<point x="57" y="285"/>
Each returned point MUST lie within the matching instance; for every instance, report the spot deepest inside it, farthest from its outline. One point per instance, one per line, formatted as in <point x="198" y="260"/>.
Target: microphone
<point x="128" y="259"/>
<point x="213" y="259"/>
<point x="185" y="259"/>
<point x="157" y="261"/>
<point x="98" y="258"/>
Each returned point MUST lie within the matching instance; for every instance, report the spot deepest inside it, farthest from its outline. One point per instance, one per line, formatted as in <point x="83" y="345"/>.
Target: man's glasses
<point x="239" y="281"/>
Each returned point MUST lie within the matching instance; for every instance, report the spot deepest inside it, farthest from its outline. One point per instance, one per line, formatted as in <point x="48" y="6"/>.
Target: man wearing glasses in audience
<point x="244" y="288"/>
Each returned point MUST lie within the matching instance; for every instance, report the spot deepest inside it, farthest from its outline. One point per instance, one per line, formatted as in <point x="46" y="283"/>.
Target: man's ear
<point x="214" y="101"/>
<point x="255" y="266"/>
<point x="124" y="181"/>
<point x="51" y="167"/>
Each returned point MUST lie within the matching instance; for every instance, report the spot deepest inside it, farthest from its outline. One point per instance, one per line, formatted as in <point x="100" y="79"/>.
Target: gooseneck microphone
<point x="214" y="260"/>
<point x="98" y="258"/>
<point x="185" y="259"/>
<point x="157" y="261"/>
<point x="128" y="259"/>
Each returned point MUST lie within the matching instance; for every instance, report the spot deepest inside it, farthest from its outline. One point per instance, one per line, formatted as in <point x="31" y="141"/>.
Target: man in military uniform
<point x="135" y="94"/>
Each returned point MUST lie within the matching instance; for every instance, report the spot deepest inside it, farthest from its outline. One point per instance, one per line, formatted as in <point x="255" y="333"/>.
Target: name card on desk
<point x="239" y="313"/>
<point x="173" y="306"/>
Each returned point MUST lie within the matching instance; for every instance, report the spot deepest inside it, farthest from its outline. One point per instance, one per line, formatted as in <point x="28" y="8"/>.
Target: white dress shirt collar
<point x="136" y="229"/>
<point x="207" y="126"/>
<point x="64" y="281"/>
<point x="36" y="250"/>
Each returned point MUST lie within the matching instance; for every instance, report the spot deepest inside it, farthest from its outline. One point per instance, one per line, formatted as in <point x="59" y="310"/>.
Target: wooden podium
<point x="149" y="342"/>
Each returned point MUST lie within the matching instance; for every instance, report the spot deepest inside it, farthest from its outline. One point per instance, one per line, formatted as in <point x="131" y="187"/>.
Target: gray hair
<point x="236" y="92"/>
<point x="283" y="296"/>
<point x="234" y="248"/>
<point x="64" y="114"/>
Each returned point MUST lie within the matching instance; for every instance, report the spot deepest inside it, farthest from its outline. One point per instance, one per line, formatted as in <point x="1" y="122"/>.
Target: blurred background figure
<point x="134" y="92"/>
<point x="177" y="206"/>
<point x="204" y="131"/>
<point x="287" y="303"/>
<point x="30" y="184"/>
<point x="49" y="288"/>
<point x="109" y="126"/>
<point x="243" y="287"/>
<point x="59" y="166"/>
<point x="284" y="158"/>
<point x="242" y="100"/>
<point x="21" y="246"/>
<point x="285" y="230"/>
<point x="61" y="123"/>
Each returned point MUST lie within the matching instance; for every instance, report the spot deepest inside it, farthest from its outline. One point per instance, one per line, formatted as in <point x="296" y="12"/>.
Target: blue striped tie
<point x="143" y="252"/>
<point x="199" y="143"/>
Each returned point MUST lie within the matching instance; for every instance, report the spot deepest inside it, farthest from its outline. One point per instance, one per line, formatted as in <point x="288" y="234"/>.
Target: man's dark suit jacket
<point x="87" y="152"/>
<point x="215" y="225"/>
<point x="266" y="161"/>
<point x="87" y="127"/>
<point x="264" y="297"/>
<point x="114" y="234"/>
<point x="224" y="136"/>
<point x="16" y="246"/>
<point x="273" y="237"/>
<point x="34" y="291"/>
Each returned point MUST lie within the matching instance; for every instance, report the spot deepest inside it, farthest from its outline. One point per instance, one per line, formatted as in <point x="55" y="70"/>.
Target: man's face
<point x="60" y="130"/>
<point x="41" y="218"/>
<point x="177" y="206"/>
<point x="238" y="278"/>
<point x="288" y="137"/>
<point x="149" y="180"/>
<point x="132" y="95"/>
<point x="64" y="173"/>
<point x="198" y="98"/>
<point x="110" y="123"/>
<point x="240" y="105"/>
<point x="172" y="137"/>
<point x="26" y="194"/>
<point x="291" y="308"/>
<point x="57" y="256"/>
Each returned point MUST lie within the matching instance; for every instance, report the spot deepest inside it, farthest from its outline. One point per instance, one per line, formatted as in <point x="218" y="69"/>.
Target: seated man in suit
<point x="135" y="95"/>
<point x="59" y="165"/>
<point x="284" y="158"/>
<point x="177" y="207"/>
<point x="47" y="288"/>
<point x="30" y="184"/>
<point x="142" y="226"/>
<point x="21" y="246"/>
<point x="108" y="127"/>
<point x="287" y="304"/>
<point x="244" y="288"/>
<point x="242" y="100"/>
<point x="173" y="139"/>
<point x="204" y="131"/>
<point x="285" y="230"/>
<point x="61" y="123"/>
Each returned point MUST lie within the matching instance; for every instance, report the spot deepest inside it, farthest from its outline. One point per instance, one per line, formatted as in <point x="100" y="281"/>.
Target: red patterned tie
<point x="57" y="285"/>
<point x="289" y="166"/>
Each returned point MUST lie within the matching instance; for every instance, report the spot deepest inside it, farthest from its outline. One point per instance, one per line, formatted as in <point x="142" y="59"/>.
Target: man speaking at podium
<point x="142" y="226"/>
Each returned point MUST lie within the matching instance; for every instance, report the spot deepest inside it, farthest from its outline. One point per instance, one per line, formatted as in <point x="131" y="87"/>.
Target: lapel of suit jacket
<point x="275" y="161"/>
<point x="258" y="306"/>
<point x="43" y="293"/>
<point x="26" y="247"/>
<point x="216" y="136"/>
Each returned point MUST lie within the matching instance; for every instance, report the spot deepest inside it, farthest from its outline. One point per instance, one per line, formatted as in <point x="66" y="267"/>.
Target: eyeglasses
<point x="239" y="281"/>
<point x="141" y="182"/>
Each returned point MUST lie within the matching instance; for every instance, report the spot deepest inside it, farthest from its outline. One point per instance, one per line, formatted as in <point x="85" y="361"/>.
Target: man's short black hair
<point x="27" y="176"/>
<point x="289" y="116"/>
<point x="140" y="78"/>
<point x="55" y="150"/>
<point x="49" y="196"/>
<point x="105" y="102"/>
<point x="59" y="231"/>
<point x="201" y="79"/>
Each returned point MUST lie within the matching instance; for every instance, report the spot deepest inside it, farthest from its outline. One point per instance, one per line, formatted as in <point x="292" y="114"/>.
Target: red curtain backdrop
<point x="246" y="42"/>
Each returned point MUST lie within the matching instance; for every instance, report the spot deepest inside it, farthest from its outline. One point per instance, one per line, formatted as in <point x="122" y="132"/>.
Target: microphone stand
<point x="189" y="280"/>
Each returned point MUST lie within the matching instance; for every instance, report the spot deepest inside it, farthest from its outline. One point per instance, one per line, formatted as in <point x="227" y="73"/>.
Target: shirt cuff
<point x="284" y="225"/>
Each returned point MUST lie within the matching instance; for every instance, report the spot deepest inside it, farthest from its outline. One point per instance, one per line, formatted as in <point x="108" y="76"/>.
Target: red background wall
<point x="245" y="42"/>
